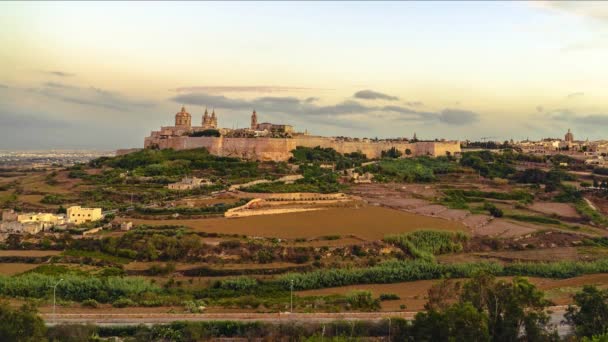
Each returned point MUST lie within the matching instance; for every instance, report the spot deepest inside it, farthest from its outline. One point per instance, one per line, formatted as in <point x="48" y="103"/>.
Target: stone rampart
<point x="279" y="149"/>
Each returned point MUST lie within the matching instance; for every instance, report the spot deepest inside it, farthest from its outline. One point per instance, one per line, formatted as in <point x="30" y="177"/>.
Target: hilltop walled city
<point x="274" y="142"/>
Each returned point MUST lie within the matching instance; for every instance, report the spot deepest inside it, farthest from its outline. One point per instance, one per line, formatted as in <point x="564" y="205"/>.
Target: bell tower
<point x="254" y="120"/>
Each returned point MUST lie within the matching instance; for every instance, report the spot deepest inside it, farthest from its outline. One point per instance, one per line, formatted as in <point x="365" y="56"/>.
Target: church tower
<point x="213" y="120"/>
<point x="569" y="137"/>
<point x="254" y="120"/>
<point x="183" y="118"/>
<point x="205" y="119"/>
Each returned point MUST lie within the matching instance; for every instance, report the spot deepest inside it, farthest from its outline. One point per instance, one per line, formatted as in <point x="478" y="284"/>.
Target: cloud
<point x="89" y="96"/>
<point x="590" y="9"/>
<point x="348" y="113"/>
<point x="374" y="95"/>
<point x="540" y="109"/>
<point x="414" y="103"/>
<point x="239" y="89"/>
<point x="458" y="117"/>
<point x="575" y="95"/>
<point x="566" y="115"/>
<point x="3" y="85"/>
<point x="58" y="73"/>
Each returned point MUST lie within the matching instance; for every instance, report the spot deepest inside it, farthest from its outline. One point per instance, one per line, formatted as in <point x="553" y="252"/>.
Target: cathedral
<point x="183" y="120"/>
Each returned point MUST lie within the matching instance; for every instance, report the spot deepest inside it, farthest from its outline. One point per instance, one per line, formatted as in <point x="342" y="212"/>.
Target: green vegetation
<point x="583" y="208"/>
<point x="421" y="169"/>
<point x="53" y="199"/>
<point x="21" y="325"/>
<point x="590" y="315"/>
<point x="362" y="300"/>
<point x="533" y="219"/>
<point x="391" y="153"/>
<point x="74" y="287"/>
<point x="206" y="133"/>
<point x="460" y="199"/>
<point x="424" y="244"/>
<point x="319" y="155"/>
<point x="175" y="164"/>
<point x="218" y="208"/>
<point x="398" y="271"/>
<point x="316" y="179"/>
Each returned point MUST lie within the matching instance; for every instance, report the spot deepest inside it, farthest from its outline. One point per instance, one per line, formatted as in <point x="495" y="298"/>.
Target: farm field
<point x="413" y="294"/>
<point x="28" y="253"/>
<point x="15" y="268"/>
<point x="362" y="222"/>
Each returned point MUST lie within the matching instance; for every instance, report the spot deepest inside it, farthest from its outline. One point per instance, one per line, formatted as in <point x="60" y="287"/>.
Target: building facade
<point x="79" y="215"/>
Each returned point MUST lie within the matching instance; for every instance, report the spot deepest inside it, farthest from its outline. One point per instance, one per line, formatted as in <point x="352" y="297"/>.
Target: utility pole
<point x="55" y="300"/>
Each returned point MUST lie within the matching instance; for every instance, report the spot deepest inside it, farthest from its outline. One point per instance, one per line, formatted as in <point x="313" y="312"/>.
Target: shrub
<point x="123" y="303"/>
<point x="89" y="303"/>
<point x="423" y="244"/>
<point x="362" y="300"/>
<point x="389" y="296"/>
<point x="238" y="284"/>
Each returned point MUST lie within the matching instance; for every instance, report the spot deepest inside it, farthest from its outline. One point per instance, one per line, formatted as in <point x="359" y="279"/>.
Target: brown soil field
<point x="413" y="294"/>
<point x="546" y="254"/>
<point x="15" y="268"/>
<point x="141" y="265"/>
<point x="503" y="228"/>
<point x="370" y="223"/>
<point x="31" y="253"/>
<point x="560" y="209"/>
<point x="346" y="241"/>
<point x="600" y="203"/>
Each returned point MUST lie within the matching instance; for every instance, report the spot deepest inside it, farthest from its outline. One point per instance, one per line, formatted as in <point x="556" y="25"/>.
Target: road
<point x="557" y="315"/>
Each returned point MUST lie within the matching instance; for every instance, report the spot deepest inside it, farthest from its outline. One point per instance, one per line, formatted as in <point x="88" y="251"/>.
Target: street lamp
<point x="54" y="300"/>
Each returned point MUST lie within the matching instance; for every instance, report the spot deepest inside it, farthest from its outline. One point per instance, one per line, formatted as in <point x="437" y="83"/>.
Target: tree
<point x="590" y="315"/>
<point x="513" y="309"/>
<point x="458" y="322"/>
<point x="391" y="153"/>
<point x="21" y="325"/>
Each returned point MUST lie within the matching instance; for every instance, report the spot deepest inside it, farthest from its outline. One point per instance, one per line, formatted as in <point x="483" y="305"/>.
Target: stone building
<point x="209" y="122"/>
<point x="270" y="127"/>
<point x="77" y="214"/>
<point x="569" y="137"/>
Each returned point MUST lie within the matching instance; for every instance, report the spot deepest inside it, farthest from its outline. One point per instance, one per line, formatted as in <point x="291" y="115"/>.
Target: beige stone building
<point x="79" y="215"/>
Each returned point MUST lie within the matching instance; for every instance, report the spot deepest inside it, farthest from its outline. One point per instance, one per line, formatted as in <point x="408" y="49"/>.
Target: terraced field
<point x="368" y="222"/>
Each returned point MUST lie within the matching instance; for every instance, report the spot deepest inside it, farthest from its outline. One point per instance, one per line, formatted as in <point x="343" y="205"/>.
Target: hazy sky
<point x="102" y="75"/>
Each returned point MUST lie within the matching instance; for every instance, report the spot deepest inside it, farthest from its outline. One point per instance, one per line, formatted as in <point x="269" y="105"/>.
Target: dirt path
<point x="589" y="203"/>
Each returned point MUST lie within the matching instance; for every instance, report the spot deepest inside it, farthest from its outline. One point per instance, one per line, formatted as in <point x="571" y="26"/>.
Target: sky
<point x="102" y="75"/>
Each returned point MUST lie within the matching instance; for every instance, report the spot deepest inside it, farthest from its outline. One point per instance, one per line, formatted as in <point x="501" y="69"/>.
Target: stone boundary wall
<point x="279" y="149"/>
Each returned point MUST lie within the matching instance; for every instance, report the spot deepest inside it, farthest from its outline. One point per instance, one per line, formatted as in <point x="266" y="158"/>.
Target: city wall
<point x="279" y="149"/>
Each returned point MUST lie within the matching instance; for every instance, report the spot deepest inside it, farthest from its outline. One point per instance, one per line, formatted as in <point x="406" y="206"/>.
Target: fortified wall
<point x="274" y="142"/>
<point x="279" y="149"/>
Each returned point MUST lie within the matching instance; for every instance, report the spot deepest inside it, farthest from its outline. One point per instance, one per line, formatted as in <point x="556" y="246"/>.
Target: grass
<point x="424" y="244"/>
<point x="583" y="208"/>
<point x="534" y="219"/>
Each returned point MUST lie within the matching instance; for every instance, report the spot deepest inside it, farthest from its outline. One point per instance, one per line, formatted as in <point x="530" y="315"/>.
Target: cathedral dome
<point x="182" y="118"/>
